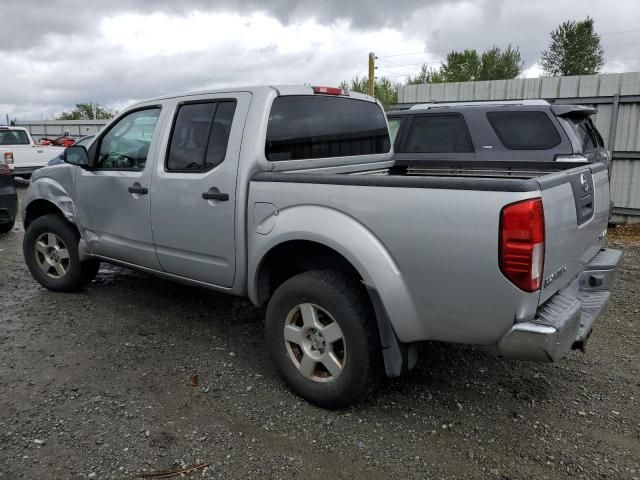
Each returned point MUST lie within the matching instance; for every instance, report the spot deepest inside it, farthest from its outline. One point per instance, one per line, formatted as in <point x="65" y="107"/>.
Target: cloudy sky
<point x="55" y="53"/>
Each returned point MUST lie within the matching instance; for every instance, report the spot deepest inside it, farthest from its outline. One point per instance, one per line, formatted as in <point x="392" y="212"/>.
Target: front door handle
<point x="139" y="189"/>
<point x="215" y="194"/>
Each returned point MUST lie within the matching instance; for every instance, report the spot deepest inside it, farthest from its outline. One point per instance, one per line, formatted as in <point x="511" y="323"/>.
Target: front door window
<point x="126" y="145"/>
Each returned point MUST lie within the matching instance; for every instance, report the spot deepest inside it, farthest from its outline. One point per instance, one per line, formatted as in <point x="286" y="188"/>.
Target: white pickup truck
<point x="21" y="153"/>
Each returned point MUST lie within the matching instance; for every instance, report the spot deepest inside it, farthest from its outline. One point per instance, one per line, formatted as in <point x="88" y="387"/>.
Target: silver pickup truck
<point x="291" y="196"/>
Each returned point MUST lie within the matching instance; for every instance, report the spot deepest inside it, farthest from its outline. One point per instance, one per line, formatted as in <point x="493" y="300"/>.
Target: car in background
<point x="8" y="198"/>
<point x="58" y="159"/>
<point x="488" y="132"/>
<point x="21" y="153"/>
<point x="64" y="141"/>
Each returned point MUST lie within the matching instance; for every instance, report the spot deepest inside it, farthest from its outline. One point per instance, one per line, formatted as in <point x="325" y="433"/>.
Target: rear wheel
<point x="322" y="338"/>
<point x="50" y="248"/>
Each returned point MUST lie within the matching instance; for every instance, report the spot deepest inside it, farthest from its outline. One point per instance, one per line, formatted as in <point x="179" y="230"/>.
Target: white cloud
<point x="120" y="51"/>
<point x="135" y="56"/>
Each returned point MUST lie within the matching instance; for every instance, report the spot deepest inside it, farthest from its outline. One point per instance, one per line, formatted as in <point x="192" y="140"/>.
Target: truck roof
<point x="557" y="110"/>
<point x="497" y="103"/>
<point x="10" y="127"/>
<point x="279" y="89"/>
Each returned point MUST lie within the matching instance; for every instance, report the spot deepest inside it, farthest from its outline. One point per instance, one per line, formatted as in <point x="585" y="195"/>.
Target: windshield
<point x="85" y="141"/>
<point x="13" y="137"/>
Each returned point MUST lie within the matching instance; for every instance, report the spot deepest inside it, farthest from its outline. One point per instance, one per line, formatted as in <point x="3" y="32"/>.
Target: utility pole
<point x="372" y="73"/>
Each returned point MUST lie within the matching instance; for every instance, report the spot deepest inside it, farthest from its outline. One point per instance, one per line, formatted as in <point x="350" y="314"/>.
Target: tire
<point x="335" y="298"/>
<point x="6" y="227"/>
<point x="57" y="253"/>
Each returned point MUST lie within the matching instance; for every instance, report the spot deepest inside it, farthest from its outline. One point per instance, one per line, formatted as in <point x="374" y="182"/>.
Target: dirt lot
<point x="99" y="385"/>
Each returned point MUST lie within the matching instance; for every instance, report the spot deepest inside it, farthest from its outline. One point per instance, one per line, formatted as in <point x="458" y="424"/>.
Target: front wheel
<point x="322" y="338"/>
<point x="50" y="248"/>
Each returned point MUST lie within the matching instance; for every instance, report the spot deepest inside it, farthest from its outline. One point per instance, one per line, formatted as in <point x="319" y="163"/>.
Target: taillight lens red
<point x="328" y="90"/>
<point x="4" y="169"/>
<point x="522" y="243"/>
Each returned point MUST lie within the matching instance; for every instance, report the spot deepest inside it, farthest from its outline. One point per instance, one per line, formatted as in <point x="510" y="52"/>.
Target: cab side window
<point x="126" y="144"/>
<point x="524" y="130"/>
<point x="200" y="136"/>
<point x="438" y="134"/>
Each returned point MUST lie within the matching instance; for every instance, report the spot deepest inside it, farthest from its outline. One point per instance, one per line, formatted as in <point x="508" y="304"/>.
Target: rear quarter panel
<point x="440" y="247"/>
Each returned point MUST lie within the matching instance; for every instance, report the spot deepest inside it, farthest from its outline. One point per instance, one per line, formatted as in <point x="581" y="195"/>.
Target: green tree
<point x="461" y="66"/>
<point x="87" y="111"/>
<point x="496" y="64"/>
<point x="385" y="91"/>
<point x="426" y="75"/>
<point x="469" y="65"/>
<point x="574" y="50"/>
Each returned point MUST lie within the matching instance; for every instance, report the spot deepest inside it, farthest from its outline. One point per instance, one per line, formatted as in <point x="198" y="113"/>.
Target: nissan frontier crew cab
<point x="291" y="196"/>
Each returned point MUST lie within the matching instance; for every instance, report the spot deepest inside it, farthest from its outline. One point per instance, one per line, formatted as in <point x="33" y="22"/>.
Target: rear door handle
<point x="215" y="194"/>
<point x="139" y="189"/>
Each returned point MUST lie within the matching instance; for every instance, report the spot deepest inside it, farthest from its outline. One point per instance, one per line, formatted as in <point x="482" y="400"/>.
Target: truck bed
<point x="441" y="225"/>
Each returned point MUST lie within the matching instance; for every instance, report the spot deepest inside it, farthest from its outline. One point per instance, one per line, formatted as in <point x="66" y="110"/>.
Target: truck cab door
<point x="193" y="192"/>
<point x="112" y="198"/>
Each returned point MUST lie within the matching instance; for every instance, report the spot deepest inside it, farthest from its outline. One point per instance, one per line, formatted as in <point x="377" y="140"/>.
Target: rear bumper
<point x="23" y="171"/>
<point x="566" y="319"/>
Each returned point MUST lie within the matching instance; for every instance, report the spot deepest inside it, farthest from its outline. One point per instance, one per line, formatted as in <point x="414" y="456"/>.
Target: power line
<point x="414" y="64"/>
<point x="527" y="52"/>
<point x="396" y="65"/>
<point x="393" y="65"/>
<point x="393" y="73"/>
<point x="519" y="43"/>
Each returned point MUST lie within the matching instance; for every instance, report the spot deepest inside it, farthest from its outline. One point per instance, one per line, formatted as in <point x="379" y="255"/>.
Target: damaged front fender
<point x="52" y="189"/>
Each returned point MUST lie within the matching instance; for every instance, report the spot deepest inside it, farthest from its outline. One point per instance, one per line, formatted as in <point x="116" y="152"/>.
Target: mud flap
<point x="398" y="357"/>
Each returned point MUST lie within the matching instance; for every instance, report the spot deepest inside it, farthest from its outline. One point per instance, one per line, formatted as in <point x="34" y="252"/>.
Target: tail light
<point x="4" y="169"/>
<point x="328" y="91"/>
<point x="522" y="243"/>
<point x="8" y="157"/>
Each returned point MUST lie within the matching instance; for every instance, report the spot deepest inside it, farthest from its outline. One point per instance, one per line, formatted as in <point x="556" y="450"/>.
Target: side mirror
<point x="76" y="155"/>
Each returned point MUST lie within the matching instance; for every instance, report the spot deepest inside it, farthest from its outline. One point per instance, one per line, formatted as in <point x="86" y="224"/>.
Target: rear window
<point x="524" y="130"/>
<point x="586" y="132"/>
<point x="307" y="127"/>
<point x="438" y="134"/>
<point x="13" y="137"/>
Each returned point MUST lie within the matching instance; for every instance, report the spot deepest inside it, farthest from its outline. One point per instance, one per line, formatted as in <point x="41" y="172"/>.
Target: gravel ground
<point x="136" y="374"/>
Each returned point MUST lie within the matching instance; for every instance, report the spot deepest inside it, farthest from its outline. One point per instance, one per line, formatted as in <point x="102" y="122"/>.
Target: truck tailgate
<point x="576" y="212"/>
